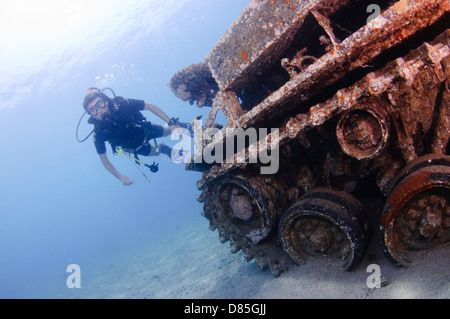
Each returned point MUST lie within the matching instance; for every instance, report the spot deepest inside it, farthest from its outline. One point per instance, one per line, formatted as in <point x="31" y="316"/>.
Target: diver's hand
<point x="174" y="127"/>
<point x="174" y="124"/>
<point x="126" y="180"/>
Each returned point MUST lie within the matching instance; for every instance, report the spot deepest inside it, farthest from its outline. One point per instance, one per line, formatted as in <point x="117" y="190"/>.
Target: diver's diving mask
<point x="100" y="104"/>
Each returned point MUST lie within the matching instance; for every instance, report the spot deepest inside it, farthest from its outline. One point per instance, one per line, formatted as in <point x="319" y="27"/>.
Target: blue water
<point x="58" y="205"/>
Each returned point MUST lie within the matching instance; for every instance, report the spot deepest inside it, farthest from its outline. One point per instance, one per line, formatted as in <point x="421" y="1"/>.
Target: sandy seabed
<point x="192" y="263"/>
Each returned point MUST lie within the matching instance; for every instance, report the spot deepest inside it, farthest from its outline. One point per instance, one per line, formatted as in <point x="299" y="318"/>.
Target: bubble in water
<point x="120" y="75"/>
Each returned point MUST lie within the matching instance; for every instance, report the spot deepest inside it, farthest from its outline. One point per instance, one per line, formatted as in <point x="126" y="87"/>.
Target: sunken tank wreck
<point x="351" y="102"/>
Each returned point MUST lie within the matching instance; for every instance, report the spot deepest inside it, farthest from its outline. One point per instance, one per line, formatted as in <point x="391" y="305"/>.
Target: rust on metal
<point x="363" y="132"/>
<point x="416" y="214"/>
<point x="338" y="102"/>
<point x="403" y="194"/>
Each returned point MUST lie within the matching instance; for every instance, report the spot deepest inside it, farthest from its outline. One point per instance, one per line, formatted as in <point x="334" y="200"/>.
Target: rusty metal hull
<point x="353" y="101"/>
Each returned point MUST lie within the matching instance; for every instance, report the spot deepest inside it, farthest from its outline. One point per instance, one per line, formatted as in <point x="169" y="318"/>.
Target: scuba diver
<point x="120" y="122"/>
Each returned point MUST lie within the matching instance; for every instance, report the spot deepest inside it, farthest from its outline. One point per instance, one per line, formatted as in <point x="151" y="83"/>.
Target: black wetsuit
<point x="125" y="126"/>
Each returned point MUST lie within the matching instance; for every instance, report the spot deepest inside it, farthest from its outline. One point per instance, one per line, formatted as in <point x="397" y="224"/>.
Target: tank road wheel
<point x="242" y="209"/>
<point x="417" y="212"/>
<point x="325" y="222"/>
<point x="246" y="208"/>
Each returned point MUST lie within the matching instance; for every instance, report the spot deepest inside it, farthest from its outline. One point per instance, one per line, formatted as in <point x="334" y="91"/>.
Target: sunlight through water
<point x="34" y="35"/>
